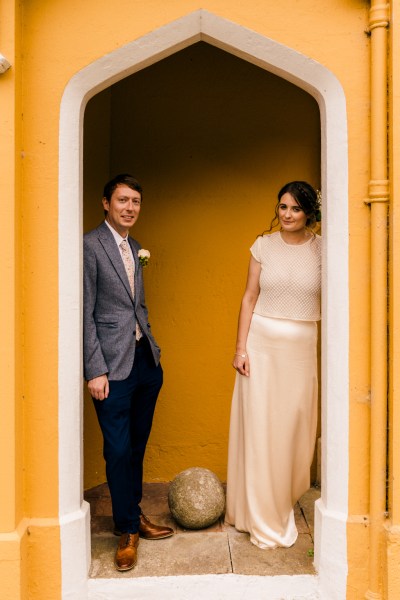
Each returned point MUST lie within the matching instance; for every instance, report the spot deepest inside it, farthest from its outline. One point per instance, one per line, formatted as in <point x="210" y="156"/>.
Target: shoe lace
<point x="127" y="540"/>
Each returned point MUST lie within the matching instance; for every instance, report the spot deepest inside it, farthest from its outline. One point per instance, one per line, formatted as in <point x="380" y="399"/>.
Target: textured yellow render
<point x="392" y="571"/>
<point x="13" y="538"/>
<point x="211" y="138"/>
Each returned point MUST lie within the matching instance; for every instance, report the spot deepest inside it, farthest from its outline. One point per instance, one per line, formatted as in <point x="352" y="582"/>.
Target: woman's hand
<point x="241" y="363"/>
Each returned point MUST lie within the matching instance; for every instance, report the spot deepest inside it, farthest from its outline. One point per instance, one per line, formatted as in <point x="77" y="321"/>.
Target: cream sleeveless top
<point x="290" y="278"/>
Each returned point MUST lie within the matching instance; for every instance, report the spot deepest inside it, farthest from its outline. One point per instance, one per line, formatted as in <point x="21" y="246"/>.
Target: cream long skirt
<point x="272" y="430"/>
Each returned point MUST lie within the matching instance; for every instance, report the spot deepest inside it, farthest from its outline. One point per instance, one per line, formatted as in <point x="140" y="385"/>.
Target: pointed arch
<point x="319" y="82"/>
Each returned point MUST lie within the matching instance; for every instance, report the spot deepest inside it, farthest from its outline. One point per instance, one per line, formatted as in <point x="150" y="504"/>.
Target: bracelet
<point x="241" y="355"/>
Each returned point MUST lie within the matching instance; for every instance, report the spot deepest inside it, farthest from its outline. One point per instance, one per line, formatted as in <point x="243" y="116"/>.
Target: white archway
<point x="331" y="509"/>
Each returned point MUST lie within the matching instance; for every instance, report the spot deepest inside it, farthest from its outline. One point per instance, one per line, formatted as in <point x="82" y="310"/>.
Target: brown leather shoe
<point x="126" y="554"/>
<point x="150" y="531"/>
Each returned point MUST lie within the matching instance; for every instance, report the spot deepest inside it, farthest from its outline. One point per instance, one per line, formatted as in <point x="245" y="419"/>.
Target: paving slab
<point x="248" y="559"/>
<point x="301" y="523"/>
<point x="306" y="503"/>
<point x="155" y="499"/>
<point x="197" y="554"/>
<point x="97" y="491"/>
<point x="101" y="524"/>
<point x="193" y="552"/>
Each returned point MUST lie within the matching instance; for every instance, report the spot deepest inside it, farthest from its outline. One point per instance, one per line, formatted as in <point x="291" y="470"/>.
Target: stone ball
<point x="196" y="498"/>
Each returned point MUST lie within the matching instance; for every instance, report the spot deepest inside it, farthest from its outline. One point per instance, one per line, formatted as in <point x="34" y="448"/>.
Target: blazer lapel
<point x="108" y="242"/>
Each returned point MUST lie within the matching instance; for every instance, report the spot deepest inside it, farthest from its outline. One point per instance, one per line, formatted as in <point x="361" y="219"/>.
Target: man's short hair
<point x="122" y="179"/>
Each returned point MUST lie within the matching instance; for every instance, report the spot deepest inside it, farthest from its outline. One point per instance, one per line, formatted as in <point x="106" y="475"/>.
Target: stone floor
<point x="215" y="550"/>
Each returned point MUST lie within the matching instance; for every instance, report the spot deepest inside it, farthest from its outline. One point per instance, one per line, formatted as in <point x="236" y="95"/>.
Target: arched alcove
<point x="212" y="138"/>
<point x="308" y="75"/>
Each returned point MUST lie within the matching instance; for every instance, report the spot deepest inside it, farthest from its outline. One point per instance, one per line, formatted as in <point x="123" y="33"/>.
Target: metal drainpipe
<point x="378" y="198"/>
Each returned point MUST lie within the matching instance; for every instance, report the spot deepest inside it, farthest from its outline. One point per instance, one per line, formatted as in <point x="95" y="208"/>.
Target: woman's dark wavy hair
<point x="306" y="197"/>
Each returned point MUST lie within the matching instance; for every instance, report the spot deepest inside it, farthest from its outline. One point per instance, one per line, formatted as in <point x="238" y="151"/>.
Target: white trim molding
<point x="215" y="587"/>
<point x="331" y="510"/>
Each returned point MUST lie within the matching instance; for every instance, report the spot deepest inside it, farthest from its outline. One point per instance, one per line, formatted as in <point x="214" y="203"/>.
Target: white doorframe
<point x="331" y="509"/>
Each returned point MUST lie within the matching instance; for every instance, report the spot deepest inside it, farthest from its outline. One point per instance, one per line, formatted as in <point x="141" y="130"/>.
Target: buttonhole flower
<point x="144" y="256"/>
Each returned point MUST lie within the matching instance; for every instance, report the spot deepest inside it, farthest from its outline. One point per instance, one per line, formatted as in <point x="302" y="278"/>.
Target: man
<point x="121" y="360"/>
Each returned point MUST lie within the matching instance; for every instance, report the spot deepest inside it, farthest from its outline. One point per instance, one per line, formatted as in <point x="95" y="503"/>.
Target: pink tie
<point x="130" y="271"/>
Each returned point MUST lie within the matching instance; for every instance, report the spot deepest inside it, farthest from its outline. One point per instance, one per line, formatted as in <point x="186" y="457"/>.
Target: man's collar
<point x="118" y="238"/>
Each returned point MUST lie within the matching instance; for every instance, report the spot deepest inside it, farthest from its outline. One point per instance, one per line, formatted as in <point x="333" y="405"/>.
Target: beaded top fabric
<point x="290" y="278"/>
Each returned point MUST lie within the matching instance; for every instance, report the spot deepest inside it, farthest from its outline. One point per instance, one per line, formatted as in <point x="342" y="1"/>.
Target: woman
<point x="274" y="406"/>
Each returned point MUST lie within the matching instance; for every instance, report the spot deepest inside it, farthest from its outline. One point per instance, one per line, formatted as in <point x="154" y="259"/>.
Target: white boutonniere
<point x="144" y="256"/>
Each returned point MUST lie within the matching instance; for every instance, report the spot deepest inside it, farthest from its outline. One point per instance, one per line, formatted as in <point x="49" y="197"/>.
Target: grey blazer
<point x="109" y="310"/>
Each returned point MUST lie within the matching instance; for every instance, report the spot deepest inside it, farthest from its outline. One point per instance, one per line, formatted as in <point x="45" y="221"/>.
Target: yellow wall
<point x="393" y="527"/>
<point x="28" y="300"/>
<point x="199" y="216"/>
<point x="13" y="535"/>
<point x="212" y="145"/>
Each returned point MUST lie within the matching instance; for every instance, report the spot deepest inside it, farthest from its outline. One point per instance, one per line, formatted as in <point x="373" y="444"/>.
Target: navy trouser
<point x="125" y="418"/>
